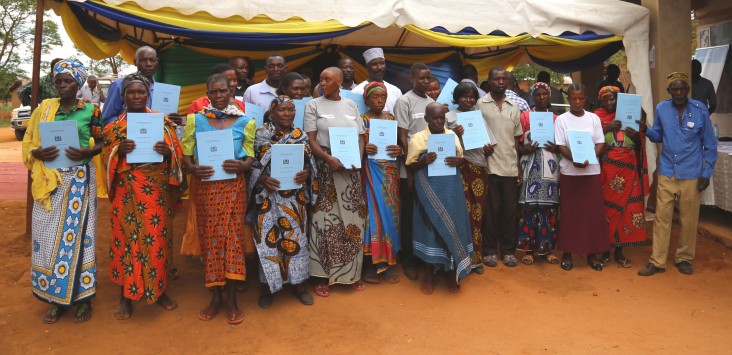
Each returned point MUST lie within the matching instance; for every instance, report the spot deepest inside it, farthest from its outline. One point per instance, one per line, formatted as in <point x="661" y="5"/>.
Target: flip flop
<point x="322" y="290"/>
<point x="235" y="317"/>
<point x="528" y="259"/>
<point x="84" y="313"/>
<point x="390" y="276"/>
<point x="53" y="315"/>
<point x="208" y="313"/>
<point x="552" y="259"/>
<point x="624" y="262"/>
<point x="358" y="285"/>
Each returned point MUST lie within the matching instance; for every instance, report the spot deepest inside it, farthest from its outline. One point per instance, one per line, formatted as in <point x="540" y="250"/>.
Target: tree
<point x="17" y="31"/>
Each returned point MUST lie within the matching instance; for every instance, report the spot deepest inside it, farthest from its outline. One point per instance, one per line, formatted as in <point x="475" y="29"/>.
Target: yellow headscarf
<point x="677" y="76"/>
<point x="45" y="180"/>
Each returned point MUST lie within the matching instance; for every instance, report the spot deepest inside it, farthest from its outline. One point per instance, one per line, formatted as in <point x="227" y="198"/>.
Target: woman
<point x="474" y="172"/>
<point x="434" y="89"/>
<point x="539" y="192"/>
<point x="581" y="202"/>
<point x="142" y="198"/>
<point x="203" y="101"/>
<point x="624" y="179"/>
<point x="221" y="204"/>
<point x="282" y="216"/>
<point x="381" y="240"/>
<point x="63" y="258"/>
<point x="340" y="215"/>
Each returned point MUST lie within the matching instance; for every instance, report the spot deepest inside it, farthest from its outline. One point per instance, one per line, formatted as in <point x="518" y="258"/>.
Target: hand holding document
<point x="287" y="160"/>
<point x="344" y="146"/>
<point x="444" y="146"/>
<point x="582" y="147"/>
<point x="62" y="135"/>
<point x="382" y="133"/>
<point x="628" y="110"/>
<point x="541" y="126"/>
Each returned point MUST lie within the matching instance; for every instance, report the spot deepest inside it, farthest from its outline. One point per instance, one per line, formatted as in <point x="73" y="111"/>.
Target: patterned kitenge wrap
<point x="538" y="197"/>
<point x="475" y="187"/>
<point x="143" y="197"/>
<point x="63" y="257"/>
<point x="441" y="224"/>
<point x="624" y="178"/>
<point x="381" y="239"/>
<point x="72" y="67"/>
<point x="282" y="216"/>
<point x="339" y="219"/>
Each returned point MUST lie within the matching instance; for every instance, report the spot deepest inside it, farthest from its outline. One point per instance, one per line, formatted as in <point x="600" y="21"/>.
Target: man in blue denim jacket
<point x="685" y="166"/>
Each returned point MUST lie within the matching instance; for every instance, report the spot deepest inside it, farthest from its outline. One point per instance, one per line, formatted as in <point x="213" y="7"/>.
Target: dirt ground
<point x="525" y="310"/>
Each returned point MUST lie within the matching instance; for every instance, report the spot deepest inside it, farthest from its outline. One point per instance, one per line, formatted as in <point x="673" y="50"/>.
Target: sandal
<point x="358" y="285"/>
<point x="528" y="259"/>
<point x="83" y="313"/>
<point x="53" y="315"/>
<point x="623" y="261"/>
<point x="552" y="259"/>
<point x="322" y="290"/>
<point x="390" y="276"/>
<point x="208" y="313"/>
<point x="235" y="317"/>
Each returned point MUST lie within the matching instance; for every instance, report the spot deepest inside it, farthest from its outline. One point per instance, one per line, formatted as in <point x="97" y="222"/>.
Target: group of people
<point x="348" y="225"/>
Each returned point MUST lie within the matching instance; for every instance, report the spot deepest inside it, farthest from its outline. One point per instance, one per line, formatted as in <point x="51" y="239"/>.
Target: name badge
<point x="349" y="117"/>
<point x="690" y="124"/>
<point x="418" y="116"/>
<point x="327" y="117"/>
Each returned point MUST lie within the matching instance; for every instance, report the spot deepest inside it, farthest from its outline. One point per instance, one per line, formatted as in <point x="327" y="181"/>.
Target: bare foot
<point x="165" y="302"/>
<point x="428" y="285"/>
<point x="124" y="310"/>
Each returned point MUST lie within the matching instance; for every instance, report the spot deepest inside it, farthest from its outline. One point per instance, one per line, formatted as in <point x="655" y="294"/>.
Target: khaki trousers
<point x="688" y="193"/>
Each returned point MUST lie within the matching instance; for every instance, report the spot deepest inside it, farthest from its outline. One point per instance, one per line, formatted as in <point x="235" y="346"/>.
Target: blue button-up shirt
<point x="114" y="106"/>
<point x="690" y="148"/>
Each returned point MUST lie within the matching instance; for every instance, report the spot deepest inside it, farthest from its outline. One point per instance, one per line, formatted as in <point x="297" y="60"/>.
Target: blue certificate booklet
<point x="255" y="112"/>
<point x="344" y="146"/>
<point x="61" y="134"/>
<point x="213" y="147"/>
<point x="476" y="132"/>
<point x="287" y="161"/>
<point x="580" y="143"/>
<point x="300" y="111"/>
<point x="628" y="110"/>
<point x="145" y="129"/>
<point x="165" y="98"/>
<point x="446" y="94"/>
<point x="444" y="146"/>
<point x="541" y="126"/>
<point x="382" y="133"/>
<point x="357" y="98"/>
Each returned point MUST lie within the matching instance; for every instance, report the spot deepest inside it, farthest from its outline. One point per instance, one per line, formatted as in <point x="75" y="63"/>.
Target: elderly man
<point x="503" y="118"/>
<point x="686" y="164"/>
<point x="376" y="66"/>
<point x="262" y="94"/>
<point x="91" y="92"/>
<point x="146" y="60"/>
<point x="702" y="88"/>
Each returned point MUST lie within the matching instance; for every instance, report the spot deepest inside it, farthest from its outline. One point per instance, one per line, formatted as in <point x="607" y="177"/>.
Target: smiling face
<point x="283" y="115"/>
<point x="219" y="94"/>
<point x="135" y="97"/>
<point x="147" y="62"/>
<point x="466" y="101"/>
<point x="376" y="69"/>
<point x="66" y="86"/>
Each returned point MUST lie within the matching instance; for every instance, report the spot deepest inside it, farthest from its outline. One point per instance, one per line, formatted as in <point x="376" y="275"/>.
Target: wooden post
<point x="35" y="93"/>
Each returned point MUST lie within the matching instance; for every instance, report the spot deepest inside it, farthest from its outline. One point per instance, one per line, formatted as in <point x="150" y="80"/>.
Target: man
<point x="146" y="60"/>
<point x="688" y="155"/>
<point x="376" y="66"/>
<point x="514" y="86"/>
<point x="513" y="96"/>
<point x="613" y="73"/>
<point x="263" y="93"/>
<point x="469" y="74"/>
<point x="409" y="111"/>
<point x="91" y="92"/>
<point x="702" y="88"/>
<point x="346" y="66"/>
<point x="503" y="118"/>
<point x="556" y="97"/>
<point x="48" y="89"/>
<point x="244" y="68"/>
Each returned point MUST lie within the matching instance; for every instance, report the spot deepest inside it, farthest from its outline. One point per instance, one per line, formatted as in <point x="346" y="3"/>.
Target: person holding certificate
<point x="281" y="225"/>
<point x="381" y="240"/>
<point x="624" y="178"/>
<point x="221" y="204"/>
<point x="340" y="215"/>
<point x="474" y="171"/>
<point x="584" y="230"/>
<point x="143" y="198"/>
<point x="63" y="259"/>
<point x="539" y="191"/>
<point x="442" y="240"/>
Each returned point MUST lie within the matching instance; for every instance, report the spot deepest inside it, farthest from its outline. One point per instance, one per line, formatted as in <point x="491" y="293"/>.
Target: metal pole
<point x="35" y="94"/>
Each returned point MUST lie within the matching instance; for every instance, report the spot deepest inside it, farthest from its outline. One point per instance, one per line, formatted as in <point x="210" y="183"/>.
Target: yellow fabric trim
<point x="101" y="174"/>
<point x="467" y="40"/>
<point x="93" y="47"/>
<point x="250" y="130"/>
<point x="506" y="60"/>
<point x="188" y="94"/>
<point x="562" y="49"/>
<point x="189" y="135"/>
<point x="205" y="21"/>
<point x="44" y="181"/>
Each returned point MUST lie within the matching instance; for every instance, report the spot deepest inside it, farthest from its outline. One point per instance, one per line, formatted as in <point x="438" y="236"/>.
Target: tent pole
<point x="36" y="91"/>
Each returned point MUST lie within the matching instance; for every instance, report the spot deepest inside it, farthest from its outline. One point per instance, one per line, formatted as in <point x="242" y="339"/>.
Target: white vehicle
<point x="19" y="121"/>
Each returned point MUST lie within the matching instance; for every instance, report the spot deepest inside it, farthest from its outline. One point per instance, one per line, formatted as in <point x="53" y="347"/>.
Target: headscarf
<point x="371" y="88"/>
<point x="607" y="90"/>
<point x="72" y="67"/>
<point x="279" y="100"/>
<point x="135" y="78"/>
<point x="677" y="76"/>
<point x="540" y="85"/>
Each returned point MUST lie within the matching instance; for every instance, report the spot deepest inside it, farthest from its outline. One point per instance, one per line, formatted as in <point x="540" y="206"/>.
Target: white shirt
<point x="260" y="94"/>
<point x="568" y="122"/>
<point x="392" y="94"/>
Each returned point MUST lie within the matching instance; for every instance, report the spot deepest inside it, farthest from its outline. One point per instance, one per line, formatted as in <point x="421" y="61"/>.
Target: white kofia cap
<point x="372" y="54"/>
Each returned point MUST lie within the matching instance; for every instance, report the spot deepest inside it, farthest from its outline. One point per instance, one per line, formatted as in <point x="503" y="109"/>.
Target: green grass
<point x="4" y="122"/>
